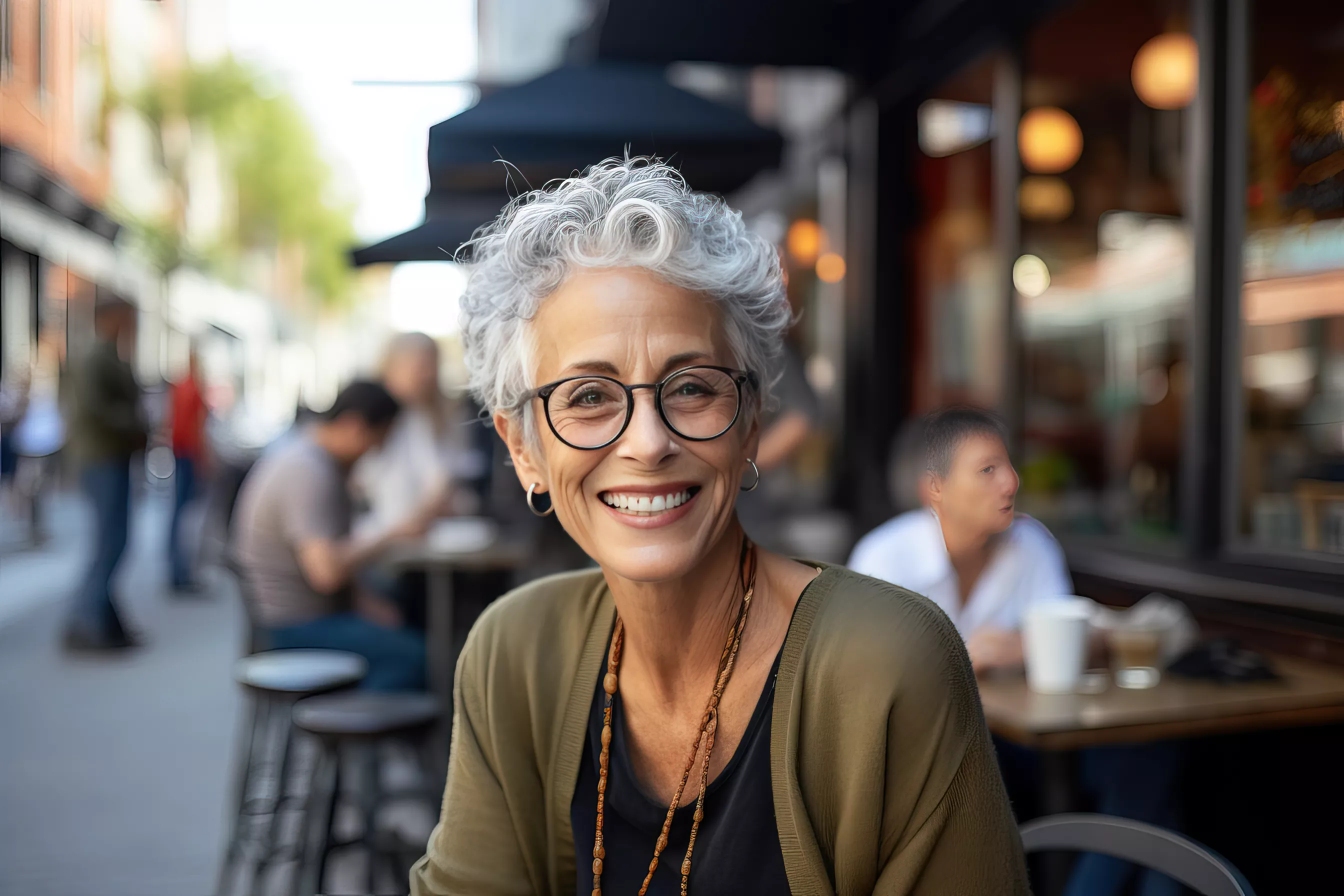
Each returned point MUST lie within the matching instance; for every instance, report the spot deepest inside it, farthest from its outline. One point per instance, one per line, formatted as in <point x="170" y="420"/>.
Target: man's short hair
<point x="945" y="430"/>
<point x="368" y="401"/>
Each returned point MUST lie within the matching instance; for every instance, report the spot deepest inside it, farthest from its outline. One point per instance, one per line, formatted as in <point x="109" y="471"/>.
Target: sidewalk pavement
<point x="113" y="770"/>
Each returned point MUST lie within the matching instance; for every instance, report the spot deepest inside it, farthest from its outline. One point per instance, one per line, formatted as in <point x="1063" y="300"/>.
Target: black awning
<point x="450" y="220"/>
<point x="570" y="118"/>
<point x="743" y="32"/>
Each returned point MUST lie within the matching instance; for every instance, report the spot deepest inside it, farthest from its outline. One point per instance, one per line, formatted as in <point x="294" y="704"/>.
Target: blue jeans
<point x="108" y="487"/>
<point x="396" y="656"/>
<point x="1139" y="782"/>
<point x="184" y="490"/>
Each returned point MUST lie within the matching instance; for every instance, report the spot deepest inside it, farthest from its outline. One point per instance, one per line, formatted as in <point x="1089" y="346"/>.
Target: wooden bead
<point x="686" y="867"/>
<point x="609" y="683"/>
<point x="597" y="891"/>
<point x="662" y="842"/>
<point x="601" y="853"/>
<point x="653" y="866"/>
<point x="699" y="814"/>
<point x="603" y="760"/>
<point x="597" y="866"/>
<point x="606" y="736"/>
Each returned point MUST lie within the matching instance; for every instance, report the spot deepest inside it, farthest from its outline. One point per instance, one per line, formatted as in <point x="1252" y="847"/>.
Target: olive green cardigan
<point x="883" y="770"/>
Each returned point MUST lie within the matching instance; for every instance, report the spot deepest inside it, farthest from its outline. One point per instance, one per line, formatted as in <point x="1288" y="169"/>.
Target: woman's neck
<point x="675" y="630"/>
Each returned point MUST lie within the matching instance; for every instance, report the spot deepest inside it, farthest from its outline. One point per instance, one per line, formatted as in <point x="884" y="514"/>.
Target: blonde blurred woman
<point x="413" y="474"/>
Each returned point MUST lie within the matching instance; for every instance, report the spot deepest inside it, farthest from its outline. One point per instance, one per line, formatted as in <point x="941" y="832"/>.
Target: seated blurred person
<point x="966" y="550"/>
<point x="422" y="469"/>
<point x="427" y="462"/>
<point x="291" y="534"/>
<point x="983" y="564"/>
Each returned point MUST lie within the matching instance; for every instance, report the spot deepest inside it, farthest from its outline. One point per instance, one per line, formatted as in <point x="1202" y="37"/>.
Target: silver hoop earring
<point x="757" y="471"/>
<point x="532" y="507"/>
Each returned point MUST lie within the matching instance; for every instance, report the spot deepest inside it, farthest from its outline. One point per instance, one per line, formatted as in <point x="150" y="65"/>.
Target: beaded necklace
<point x="709" y="724"/>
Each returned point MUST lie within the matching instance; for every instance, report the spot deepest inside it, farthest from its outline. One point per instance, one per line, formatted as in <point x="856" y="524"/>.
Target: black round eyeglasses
<point x="696" y="403"/>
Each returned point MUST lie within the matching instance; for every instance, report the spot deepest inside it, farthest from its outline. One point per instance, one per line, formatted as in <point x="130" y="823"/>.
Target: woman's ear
<point x="526" y="463"/>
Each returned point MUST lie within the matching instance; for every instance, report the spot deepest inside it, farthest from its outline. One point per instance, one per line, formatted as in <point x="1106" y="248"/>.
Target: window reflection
<point x="1104" y="299"/>
<point x="1292" y="477"/>
<point x="959" y="312"/>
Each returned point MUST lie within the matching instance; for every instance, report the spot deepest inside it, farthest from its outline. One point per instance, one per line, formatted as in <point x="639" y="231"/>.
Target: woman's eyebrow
<point x="683" y="359"/>
<point x="605" y="367"/>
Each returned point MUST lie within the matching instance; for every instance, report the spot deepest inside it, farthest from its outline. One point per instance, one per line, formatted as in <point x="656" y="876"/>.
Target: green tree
<point x="283" y="187"/>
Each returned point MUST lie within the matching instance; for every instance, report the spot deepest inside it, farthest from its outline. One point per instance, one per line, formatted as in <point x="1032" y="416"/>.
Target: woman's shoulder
<point x="539" y="607"/>
<point x="862" y="623"/>
<point x="537" y="626"/>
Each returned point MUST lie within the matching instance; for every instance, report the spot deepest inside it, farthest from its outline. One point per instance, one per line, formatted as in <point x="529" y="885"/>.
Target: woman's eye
<point x="690" y="389"/>
<point x="987" y="470"/>
<point x="589" y="397"/>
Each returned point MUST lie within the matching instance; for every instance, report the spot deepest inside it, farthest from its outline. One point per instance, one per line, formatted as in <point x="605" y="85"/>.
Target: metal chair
<point x="351" y="726"/>
<point x="273" y="681"/>
<point x="1174" y="855"/>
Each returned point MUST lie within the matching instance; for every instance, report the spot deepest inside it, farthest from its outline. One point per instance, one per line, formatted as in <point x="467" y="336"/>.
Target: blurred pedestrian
<point x="785" y="428"/>
<point x="106" y="429"/>
<point x="968" y="551"/>
<point x="40" y="434"/>
<point x="291" y="534"/>
<point x="187" y="417"/>
<point x="14" y="382"/>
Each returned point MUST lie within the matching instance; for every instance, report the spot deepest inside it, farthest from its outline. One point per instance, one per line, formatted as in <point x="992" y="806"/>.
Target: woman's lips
<point x="649" y="509"/>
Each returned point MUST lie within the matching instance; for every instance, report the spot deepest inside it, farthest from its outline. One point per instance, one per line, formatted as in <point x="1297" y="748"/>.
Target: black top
<point x="737" y="847"/>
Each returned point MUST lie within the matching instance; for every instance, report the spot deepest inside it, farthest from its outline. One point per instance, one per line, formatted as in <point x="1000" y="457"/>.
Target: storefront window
<point x="1292" y="471"/>
<point x="959" y="310"/>
<point x="1104" y="284"/>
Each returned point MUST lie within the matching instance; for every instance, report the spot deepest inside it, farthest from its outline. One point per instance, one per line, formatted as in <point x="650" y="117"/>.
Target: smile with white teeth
<point x="646" y="505"/>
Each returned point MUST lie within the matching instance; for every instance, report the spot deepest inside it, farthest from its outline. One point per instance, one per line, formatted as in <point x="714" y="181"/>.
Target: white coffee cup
<point x="1054" y="635"/>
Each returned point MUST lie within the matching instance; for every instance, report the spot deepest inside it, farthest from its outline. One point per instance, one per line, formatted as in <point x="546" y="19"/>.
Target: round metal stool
<point x="274" y="680"/>
<point x="351" y="726"/>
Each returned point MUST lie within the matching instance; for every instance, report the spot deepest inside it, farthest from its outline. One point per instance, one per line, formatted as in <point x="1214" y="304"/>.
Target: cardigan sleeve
<point x="947" y="825"/>
<point x="474" y="849"/>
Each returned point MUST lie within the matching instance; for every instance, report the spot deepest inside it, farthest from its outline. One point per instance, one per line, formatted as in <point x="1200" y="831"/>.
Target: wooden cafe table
<point x="439" y="559"/>
<point x="1306" y="694"/>
<point x="1057" y="725"/>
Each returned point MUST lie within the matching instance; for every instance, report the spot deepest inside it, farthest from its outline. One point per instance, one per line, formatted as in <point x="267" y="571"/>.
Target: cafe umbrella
<point x="521" y="137"/>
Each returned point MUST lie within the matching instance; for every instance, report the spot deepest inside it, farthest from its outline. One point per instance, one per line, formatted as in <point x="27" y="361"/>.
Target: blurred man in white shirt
<point x="967" y="549"/>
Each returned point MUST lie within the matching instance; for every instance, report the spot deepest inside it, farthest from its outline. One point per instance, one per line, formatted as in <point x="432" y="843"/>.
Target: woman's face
<point x="626" y="324"/>
<point x="412" y="375"/>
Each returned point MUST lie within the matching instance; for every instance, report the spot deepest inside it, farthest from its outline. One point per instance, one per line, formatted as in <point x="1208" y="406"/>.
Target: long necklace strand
<point x="709" y="723"/>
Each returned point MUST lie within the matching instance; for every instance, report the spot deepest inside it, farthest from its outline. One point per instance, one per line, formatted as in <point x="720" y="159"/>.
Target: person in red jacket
<point x="188" y="415"/>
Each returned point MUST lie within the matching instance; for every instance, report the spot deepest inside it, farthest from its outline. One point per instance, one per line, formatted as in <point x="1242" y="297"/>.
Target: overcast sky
<point x="374" y="135"/>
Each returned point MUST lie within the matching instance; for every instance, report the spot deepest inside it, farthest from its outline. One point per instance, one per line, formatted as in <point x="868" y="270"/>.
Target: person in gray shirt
<point x="291" y="536"/>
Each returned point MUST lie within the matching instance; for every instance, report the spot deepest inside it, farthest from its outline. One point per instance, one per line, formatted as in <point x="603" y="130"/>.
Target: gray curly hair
<point x="632" y="212"/>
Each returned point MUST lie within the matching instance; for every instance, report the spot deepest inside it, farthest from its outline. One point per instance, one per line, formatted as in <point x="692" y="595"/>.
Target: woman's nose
<point x="647" y="438"/>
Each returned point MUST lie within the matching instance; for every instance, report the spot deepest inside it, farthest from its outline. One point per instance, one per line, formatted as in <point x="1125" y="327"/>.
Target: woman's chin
<point x="650" y="563"/>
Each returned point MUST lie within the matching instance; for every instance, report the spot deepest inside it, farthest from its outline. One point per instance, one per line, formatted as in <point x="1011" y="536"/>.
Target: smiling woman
<point x="698" y="715"/>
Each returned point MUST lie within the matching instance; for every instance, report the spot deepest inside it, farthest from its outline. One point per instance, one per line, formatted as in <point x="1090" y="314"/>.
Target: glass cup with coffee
<point x="1136" y="653"/>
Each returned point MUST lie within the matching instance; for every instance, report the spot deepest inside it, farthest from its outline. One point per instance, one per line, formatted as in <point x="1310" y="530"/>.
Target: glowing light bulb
<point x="1049" y="140"/>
